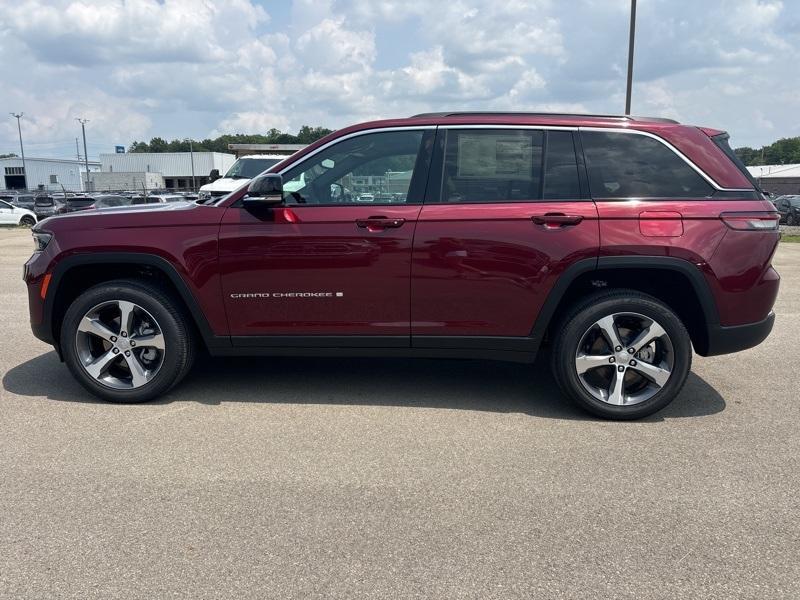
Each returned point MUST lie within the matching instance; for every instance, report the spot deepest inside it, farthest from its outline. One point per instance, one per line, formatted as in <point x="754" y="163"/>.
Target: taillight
<point x="751" y="221"/>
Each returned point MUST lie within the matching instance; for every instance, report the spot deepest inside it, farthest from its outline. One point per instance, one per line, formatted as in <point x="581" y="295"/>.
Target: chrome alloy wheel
<point x="120" y="344"/>
<point x="624" y="359"/>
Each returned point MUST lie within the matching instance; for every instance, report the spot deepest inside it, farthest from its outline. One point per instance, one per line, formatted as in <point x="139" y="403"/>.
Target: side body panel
<point x="184" y="236"/>
<point x="486" y="269"/>
<point x="355" y="278"/>
<point x="735" y="264"/>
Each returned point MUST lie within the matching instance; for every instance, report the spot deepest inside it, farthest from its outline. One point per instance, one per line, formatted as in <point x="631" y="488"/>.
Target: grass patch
<point x="790" y="238"/>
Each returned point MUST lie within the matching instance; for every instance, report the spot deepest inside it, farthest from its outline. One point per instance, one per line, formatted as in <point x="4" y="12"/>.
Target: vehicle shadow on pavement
<point x="465" y="385"/>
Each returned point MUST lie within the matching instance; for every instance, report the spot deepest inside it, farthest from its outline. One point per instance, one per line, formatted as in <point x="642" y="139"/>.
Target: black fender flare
<point x="670" y="263"/>
<point x="132" y="258"/>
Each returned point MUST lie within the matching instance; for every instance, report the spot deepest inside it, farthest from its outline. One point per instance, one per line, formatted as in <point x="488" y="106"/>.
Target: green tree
<point x="306" y="135"/>
<point x="782" y="152"/>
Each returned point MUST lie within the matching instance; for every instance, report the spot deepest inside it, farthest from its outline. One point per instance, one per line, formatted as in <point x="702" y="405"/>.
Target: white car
<point x="14" y="215"/>
<point x="242" y="171"/>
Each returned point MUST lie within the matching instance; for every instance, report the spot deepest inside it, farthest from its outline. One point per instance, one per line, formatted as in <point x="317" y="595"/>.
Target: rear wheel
<point x="622" y="355"/>
<point x="791" y="219"/>
<point x="27" y="221"/>
<point x="126" y="341"/>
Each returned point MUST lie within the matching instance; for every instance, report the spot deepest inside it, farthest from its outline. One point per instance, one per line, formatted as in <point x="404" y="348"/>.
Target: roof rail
<point x="541" y="114"/>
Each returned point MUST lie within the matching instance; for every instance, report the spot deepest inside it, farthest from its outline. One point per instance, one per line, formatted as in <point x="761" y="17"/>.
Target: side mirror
<point x="264" y="190"/>
<point x="214" y="175"/>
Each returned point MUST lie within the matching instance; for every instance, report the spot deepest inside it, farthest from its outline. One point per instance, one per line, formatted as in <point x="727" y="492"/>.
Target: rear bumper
<point x="725" y="340"/>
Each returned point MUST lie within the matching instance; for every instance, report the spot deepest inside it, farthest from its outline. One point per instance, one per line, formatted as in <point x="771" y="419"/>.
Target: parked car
<point x="240" y="172"/>
<point x="165" y="197"/>
<point x="75" y="204"/>
<point x="46" y="205"/>
<point x="789" y="208"/>
<point x="16" y="215"/>
<point x="22" y="200"/>
<point x="111" y="201"/>
<point x="622" y="243"/>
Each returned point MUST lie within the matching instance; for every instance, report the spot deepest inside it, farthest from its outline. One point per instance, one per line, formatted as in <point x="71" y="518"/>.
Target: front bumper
<point x="726" y="340"/>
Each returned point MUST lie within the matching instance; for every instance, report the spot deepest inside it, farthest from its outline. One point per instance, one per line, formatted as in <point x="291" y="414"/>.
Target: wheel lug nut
<point x="618" y="348"/>
<point x="133" y="343"/>
<point x="620" y="368"/>
<point x="113" y="338"/>
<point x="633" y="363"/>
<point x="631" y="350"/>
<point x="127" y="352"/>
<point x="124" y="334"/>
<point x="612" y="359"/>
<point x="115" y="350"/>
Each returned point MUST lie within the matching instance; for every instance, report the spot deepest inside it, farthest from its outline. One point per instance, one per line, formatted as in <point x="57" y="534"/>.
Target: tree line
<point x="785" y="151"/>
<point x="306" y="135"/>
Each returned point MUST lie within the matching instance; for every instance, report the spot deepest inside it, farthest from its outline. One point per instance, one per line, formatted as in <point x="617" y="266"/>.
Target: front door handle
<point x="556" y="220"/>
<point x="379" y="223"/>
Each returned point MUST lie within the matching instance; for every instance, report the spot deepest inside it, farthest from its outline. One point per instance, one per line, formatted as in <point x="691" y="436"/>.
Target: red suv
<point x="621" y="242"/>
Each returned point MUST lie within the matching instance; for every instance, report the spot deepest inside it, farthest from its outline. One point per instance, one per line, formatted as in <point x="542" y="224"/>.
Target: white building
<point x="175" y="167"/>
<point x="45" y="173"/>
<point x="122" y="180"/>
<point x="779" y="179"/>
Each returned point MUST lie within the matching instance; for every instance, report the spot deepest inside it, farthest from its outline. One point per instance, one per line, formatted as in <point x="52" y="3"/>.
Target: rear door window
<point x="508" y="165"/>
<point x="492" y="165"/>
<point x="625" y="165"/>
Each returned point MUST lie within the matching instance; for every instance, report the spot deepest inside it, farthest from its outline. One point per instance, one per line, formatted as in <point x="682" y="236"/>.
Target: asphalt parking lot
<point x="305" y="478"/>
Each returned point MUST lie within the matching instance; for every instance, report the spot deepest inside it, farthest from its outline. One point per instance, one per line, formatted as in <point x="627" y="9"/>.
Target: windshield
<point x="794" y="200"/>
<point x="247" y="168"/>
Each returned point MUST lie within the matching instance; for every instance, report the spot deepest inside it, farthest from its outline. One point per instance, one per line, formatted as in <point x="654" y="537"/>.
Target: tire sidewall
<point x="576" y="327"/>
<point x="158" y="305"/>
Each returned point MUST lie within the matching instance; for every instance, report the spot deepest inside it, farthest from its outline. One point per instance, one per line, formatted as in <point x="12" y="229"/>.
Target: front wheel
<point x="27" y="221"/>
<point x="126" y="341"/>
<point x="791" y="219"/>
<point x="622" y="355"/>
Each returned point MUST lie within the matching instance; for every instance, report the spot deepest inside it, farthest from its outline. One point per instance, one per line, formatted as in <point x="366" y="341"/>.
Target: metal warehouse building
<point x="175" y="167"/>
<point x="44" y="173"/>
<point x="778" y="179"/>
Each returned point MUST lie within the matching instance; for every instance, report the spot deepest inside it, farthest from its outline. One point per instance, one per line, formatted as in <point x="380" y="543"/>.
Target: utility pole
<point x="191" y="157"/>
<point x="85" y="153"/>
<point x="630" y="58"/>
<point x="77" y="150"/>
<point x="18" y="116"/>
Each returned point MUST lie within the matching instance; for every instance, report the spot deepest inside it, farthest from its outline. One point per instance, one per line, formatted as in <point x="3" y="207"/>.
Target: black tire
<point x="791" y="220"/>
<point x="27" y="221"/>
<point x="580" y="320"/>
<point x="178" y="354"/>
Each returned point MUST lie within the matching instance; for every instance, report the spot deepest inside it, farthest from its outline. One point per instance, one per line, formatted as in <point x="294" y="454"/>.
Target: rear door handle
<point x="379" y="223"/>
<point x="556" y="220"/>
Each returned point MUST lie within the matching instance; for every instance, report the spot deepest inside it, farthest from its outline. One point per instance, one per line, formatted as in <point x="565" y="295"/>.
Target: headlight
<point x="40" y="240"/>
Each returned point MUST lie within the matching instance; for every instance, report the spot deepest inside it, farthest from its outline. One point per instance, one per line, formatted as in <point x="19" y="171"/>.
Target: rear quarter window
<point x="627" y="165"/>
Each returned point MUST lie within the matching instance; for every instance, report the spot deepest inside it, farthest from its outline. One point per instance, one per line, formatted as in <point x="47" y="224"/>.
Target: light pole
<point x="85" y="153"/>
<point x="18" y="116"/>
<point x="630" y="58"/>
<point x="191" y="157"/>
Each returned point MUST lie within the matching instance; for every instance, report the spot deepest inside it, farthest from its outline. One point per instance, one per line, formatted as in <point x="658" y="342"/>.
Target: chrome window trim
<point x="677" y="152"/>
<point x="680" y="154"/>
<point x="302" y="159"/>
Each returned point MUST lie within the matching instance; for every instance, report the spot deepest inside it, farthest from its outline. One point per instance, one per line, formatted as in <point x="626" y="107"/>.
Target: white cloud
<point x="331" y="46"/>
<point x="179" y="68"/>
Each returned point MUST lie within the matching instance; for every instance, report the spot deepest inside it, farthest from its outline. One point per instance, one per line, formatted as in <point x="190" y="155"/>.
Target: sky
<point x="200" y="68"/>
